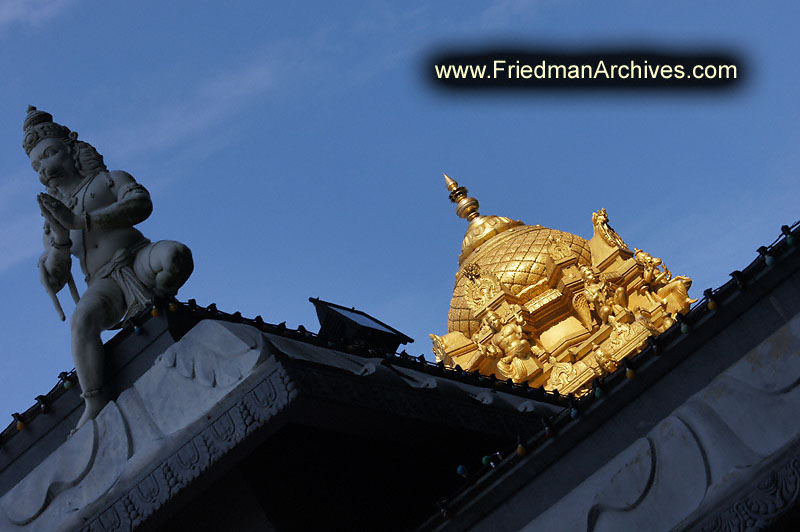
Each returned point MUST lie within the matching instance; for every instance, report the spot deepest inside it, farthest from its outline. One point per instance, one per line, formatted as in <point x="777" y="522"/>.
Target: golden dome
<point x="516" y="255"/>
<point x="549" y="309"/>
<point x="514" y="252"/>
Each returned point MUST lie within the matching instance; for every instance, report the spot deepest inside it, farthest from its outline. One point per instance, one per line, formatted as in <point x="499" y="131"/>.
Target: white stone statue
<point x="90" y="212"/>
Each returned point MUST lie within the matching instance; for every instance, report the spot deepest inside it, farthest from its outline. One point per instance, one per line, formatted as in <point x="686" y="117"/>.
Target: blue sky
<point x="297" y="148"/>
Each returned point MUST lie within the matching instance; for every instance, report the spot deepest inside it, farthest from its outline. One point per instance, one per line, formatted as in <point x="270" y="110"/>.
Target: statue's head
<point x="55" y="151"/>
<point x="493" y="320"/>
<point x="588" y="274"/>
<point x="645" y="259"/>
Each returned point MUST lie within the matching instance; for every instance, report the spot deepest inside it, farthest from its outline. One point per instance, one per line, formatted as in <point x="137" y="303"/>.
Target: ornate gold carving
<point x="439" y="347"/>
<point x="481" y="290"/>
<point x="584" y="311"/>
<point x="558" y="249"/>
<point x="511" y="341"/>
<point x="561" y="375"/>
<point x="661" y="287"/>
<point x="603" y="362"/>
<point x="600" y="222"/>
<point x="548" y="308"/>
<point x="472" y="271"/>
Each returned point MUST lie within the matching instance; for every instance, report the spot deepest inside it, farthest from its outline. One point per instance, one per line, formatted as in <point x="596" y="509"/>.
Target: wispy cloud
<point x="211" y="101"/>
<point x="503" y="11"/>
<point x="20" y="221"/>
<point x="22" y="240"/>
<point x="14" y="189"/>
<point x="410" y="32"/>
<point x="30" y="12"/>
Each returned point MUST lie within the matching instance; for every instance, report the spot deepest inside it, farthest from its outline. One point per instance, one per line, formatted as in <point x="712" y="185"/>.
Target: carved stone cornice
<point x="158" y="485"/>
<point x="763" y="503"/>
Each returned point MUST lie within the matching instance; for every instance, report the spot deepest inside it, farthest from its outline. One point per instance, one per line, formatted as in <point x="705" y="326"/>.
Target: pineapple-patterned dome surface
<point x="517" y="257"/>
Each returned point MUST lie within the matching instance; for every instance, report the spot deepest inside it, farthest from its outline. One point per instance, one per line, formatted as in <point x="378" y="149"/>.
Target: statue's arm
<point x="133" y="205"/>
<point x="55" y="263"/>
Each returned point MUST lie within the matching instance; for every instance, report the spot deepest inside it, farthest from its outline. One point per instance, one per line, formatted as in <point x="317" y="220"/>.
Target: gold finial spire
<point x="450" y="182"/>
<point x="466" y="207"/>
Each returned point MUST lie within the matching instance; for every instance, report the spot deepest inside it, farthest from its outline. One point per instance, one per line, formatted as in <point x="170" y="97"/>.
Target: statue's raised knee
<point x="176" y="265"/>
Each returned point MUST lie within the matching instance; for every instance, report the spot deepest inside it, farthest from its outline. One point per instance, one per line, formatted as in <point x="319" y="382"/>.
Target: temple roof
<point x="135" y="349"/>
<point x="371" y="394"/>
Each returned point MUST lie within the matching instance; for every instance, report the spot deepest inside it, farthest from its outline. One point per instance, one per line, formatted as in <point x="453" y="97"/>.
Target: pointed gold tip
<point x="466" y="207"/>
<point x="450" y="182"/>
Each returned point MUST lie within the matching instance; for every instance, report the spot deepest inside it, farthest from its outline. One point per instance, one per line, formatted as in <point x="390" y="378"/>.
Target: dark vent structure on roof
<point x="348" y="326"/>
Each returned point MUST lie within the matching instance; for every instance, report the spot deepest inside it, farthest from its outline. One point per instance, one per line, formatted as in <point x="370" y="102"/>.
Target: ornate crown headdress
<point x="39" y="125"/>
